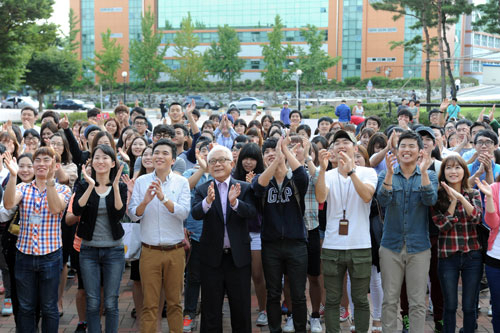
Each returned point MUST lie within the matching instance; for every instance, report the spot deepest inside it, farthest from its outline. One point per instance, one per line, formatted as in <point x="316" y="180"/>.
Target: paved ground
<point x="127" y="323"/>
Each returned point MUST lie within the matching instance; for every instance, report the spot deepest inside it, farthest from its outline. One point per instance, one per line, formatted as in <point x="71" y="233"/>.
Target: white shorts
<point x="255" y="244"/>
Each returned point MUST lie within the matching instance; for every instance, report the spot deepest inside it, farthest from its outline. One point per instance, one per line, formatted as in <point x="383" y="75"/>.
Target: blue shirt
<point x="223" y="140"/>
<point x="343" y="112"/>
<point x="453" y="111"/>
<point x="407" y="210"/>
<point x="195" y="226"/>
<point x="285" y="116"/>
<point x="473" y="167"/>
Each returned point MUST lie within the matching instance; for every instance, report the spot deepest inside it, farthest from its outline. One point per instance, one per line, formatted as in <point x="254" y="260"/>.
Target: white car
<point x="247" y="103"/>
<point x="22" y="102"/>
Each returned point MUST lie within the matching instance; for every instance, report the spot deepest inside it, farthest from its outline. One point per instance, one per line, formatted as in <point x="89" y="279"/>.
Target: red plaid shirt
<point x="40" y="230"/>
<point x="458" y="232"/>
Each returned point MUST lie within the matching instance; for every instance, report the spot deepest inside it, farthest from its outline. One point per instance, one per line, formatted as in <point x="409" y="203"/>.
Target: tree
<point x="275" y="56"/>
<point x="489" y="18"/>
<point x="315" y="62"/>
<point x="22" y="31"/>
<point x="222" y="60"/>
<point x="107" y="61"/>
<point x="146" y="57"/>
<point x="49" y="69"/>
<point x="424" y="12"/>
<point x="190" y="72"/>
<point x="70" y="42"/>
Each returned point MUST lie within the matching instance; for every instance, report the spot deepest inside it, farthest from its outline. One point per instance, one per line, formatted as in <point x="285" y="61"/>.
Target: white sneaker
<point x="288" y="328"/>
<point x="316" y="325"/>
<point x="261" y="319"/>
<point x="490" y="312"/>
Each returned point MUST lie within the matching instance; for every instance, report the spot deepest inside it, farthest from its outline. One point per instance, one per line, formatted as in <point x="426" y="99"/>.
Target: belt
<point x="163" y="247"/>
<point x="226" y="250"/>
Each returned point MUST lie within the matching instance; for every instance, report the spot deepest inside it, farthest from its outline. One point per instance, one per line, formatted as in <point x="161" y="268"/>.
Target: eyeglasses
<point x="57" y="144"/>
<point x="140" y="123"/>
<point x="487" y="143"/>
<point x="221" y="160"/>
<point x="31" y="139"/>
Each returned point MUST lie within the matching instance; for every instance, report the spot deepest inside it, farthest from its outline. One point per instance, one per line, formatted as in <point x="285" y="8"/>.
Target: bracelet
<point x="390" y="185"/>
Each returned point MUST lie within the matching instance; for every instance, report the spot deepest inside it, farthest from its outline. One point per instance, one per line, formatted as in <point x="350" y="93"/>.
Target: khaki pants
<point x="395" y="267"/>
<point x="157" y="267"/>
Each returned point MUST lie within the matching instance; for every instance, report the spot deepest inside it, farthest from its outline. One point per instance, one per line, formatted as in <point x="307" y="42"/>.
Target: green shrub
<point x="352" y="81"/>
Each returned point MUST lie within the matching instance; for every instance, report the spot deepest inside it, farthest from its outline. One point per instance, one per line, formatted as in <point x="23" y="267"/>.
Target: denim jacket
<point x="407" y="210"/>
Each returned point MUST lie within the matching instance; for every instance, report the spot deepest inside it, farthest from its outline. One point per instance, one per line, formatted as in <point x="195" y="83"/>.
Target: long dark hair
<point x="132" y="157"/>
<point x="111" y="153"/>
<point x="121" y="140"/>
<point x="443" y="203"/>
<point x="143" y="170"/>
<point x="99" y="135"/>
<point x="30" y="157"/>
<point x="249" y="150"/>
<point x="377" y="138"/>
<point x="66" y="157"/>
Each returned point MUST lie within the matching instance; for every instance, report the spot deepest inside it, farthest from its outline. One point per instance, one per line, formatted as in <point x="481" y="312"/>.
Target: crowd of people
<point x="348" y="212"/>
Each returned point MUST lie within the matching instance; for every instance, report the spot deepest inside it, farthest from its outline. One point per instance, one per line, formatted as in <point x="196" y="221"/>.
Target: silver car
<point x="247" y="103"/>
<point x="22" y="101"/>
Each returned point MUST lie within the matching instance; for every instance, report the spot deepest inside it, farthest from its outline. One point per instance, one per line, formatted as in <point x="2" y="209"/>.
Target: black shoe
<point x="133" y="314"/>
<point x="82" y="327"/>
<point x="483" y="287"/>
<point x="164" y="311"/>
<point x="71" y="273"/>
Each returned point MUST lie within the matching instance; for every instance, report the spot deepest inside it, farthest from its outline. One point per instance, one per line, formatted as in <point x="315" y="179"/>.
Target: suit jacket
<point x="212" y="235"/>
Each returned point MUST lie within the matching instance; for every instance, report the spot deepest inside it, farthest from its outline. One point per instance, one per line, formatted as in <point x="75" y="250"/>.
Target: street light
<point x="298" y="73"/>
<point x="124" y="76"/>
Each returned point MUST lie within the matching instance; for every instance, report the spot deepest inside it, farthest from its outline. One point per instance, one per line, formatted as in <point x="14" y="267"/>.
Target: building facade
<point x="355" y="31"/>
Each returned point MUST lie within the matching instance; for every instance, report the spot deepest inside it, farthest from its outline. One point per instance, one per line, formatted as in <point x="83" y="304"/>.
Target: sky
<point x="60" y="15"/>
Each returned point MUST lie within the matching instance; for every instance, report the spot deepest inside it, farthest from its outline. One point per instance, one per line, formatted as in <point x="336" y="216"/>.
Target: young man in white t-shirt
<point x="347" y="244"/>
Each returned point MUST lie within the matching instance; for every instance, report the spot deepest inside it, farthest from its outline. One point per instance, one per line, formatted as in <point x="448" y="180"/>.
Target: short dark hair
<point x="269" y="143"/>
<point x="29" y="108"/>
<point x="33" y="132"/>
<point x="214" y="116"/>
<point x="454" y="99"/>
<point x="174" y="103"/>
<point x="166" y="142"/>
<point x="441" y="129"/>
<point x="121" y="108"/>
<point x="52" y="114"/>
<point x="325" y="118"/>
<point x="405" y="112"/>
<point x="293" y="112"/>
<point x="463" y="121"/>
<point x="164" y="129"/>
<point x="141" y="117"/>
<point x="479" y="123"/>
<point x="432" y="111"/>
<point x="241" y="121"/>
<point x="411" y="135"/>
<point x="196" y="113"/>
<point x="488" y="134"/>
<point x="93" y="112"/>
<point x="241" y="138"/>
<point x="139" y="110"/>
<point x="374" y="118"/>
<point x="183" y="128"/>
<point x="233" y="109"/>
<point x="306" y="128"/>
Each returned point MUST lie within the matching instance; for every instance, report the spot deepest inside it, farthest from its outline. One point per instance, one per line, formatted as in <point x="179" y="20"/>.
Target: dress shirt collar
<point x="227" y="181"/>
<point x="166" y="179"/>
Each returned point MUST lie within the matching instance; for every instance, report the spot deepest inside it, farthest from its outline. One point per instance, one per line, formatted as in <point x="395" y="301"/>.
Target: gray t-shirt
<point x="102" y="237"/>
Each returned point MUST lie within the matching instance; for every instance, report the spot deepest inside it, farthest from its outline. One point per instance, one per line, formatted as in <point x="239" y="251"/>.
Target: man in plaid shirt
<point x="39" y="260"/>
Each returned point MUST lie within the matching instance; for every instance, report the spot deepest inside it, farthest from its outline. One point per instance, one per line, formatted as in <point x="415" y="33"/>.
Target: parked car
<point x="247" y="103"/>
<point x="73" y="104"/>
<point x="22" y="101"/>
<point x="201" y="102"/>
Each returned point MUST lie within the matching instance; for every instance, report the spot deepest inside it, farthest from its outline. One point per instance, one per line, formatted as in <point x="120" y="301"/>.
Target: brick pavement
<point x="69" y="320"/>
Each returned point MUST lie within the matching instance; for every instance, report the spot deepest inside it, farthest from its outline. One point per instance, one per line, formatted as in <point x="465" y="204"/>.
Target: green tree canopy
<point x="222" y="60"/>
<point x="49" y="69"/>
<point x="108" y="61"/>
<point x="315" y="62"/>
<point x="191" y="71"/>
<point x="489" y="17"/>
<point x="275" y="56"/>
<point x="146" y="57"/>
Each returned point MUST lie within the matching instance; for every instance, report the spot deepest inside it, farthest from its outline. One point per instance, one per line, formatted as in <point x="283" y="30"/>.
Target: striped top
<point x="40" y="231"/>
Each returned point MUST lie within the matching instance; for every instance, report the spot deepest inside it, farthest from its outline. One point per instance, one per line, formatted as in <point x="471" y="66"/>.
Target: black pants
<point x="215" y="282"/>
<point x="285" y="257"/>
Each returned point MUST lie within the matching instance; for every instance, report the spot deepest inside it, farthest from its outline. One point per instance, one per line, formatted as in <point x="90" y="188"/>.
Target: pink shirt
<point x="493" y="219"/>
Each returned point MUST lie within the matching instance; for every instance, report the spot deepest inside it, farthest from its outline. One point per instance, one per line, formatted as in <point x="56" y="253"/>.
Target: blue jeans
<point x="193" y="280"/>
<point x="493" y="275"/>
<point x="470" y="267"/>
<point x="106" y="263"/>
<point x="37" y="281"/>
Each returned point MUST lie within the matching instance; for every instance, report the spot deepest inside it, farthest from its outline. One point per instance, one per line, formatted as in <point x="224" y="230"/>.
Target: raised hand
<point x="452" y="194"/>
<point x="390" y="162"/>
<point x="26" y="125"/>
<point x="202" y="163"/>
<point x="426" y="161"/>
<point x="157" y="189"/>
<point x="492" y="113"/>
<point x="323" y="157"/>
<point x="130" y="182"/>
<point x="279" y="152"/>
<point x="150" y="194"/>
<point x="64" y="122"/>
<point x="249" y="177"/>
<point x="191" y="106"/>
<point x="307" y="146"/>
<point x="116" y="181"/>
<point x="210" y="193"/>
<point x="391" y="138"/>
<point x="484" y="187"/>
<point x="346" y="163"/>
<point x="10" y="163"/>
<point x="124" y="155"/>
<point x="87" y="178"/>
<point x="444" y="104"/>
<point x="52" y="169"/>
<point x="234" y="193"/>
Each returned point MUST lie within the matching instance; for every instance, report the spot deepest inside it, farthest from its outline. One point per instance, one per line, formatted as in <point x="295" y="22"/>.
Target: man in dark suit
<point x="224" y="205"/>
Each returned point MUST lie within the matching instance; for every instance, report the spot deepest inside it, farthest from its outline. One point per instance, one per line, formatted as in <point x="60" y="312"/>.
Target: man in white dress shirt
<point x="161" y="200"/>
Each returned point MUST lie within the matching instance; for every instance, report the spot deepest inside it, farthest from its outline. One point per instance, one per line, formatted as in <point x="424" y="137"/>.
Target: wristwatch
<point x="351" y="172"/>
<point x="308" y="159"/>
<point x="51" y="182"/>
<point x="165" y="200"/>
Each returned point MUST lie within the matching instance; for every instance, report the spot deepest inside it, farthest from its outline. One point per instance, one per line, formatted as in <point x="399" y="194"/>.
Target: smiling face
<point x="29" y="116"/>
<point x="175" y="113"/>
<point x="370" y="123"/>
<point x="240" y="128"/>
<point x="343" y="145"/>
<point x="123" y="117"/>
<point x="365" y="138"/>
<point x="26" y="172"/>
<point x="57" y="143"/>
<point x="46" y="134"/>
<point x="147" y="158"/>
<point x="324" y="127"/>
<point x="485" y="145"/>
<point x="429" y="144"/>
<point x="179" y="137"/>
<point x="359" y="160"/>
<point x="102" y="163"/>
<point x="41" y="165"/>
<point x="266" y="123"/>
<point x="111" y="127"/>
<point x="104" y="140"/>
<point x="269" y="156"/>
<point x="138" y="146"/>
<point x="249" y="164"/>
<point x="163" y="158"/>
<point x="220" y="165"/>
<point x="408" y="151"/>
<point x="462" y="131"/>
<point x="295" y="119"/>
<point x="453" y="172"/>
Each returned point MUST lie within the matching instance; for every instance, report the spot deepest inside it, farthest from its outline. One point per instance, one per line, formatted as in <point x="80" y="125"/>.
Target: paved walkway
<point x="69" y="320"/>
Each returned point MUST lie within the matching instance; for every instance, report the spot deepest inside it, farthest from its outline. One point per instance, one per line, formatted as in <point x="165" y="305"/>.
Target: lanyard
<point x="343" y="203"/>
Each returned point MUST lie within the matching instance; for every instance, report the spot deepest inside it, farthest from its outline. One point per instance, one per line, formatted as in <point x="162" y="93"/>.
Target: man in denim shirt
<point x="407" y="191"/>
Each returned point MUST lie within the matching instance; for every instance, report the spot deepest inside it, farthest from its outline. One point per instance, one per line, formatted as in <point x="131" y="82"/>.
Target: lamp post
<point x="298" y="73"/>
<point x="124" y="76"/>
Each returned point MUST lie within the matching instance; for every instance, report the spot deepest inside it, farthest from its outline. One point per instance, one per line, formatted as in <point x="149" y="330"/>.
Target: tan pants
<point x="157" y="267"/>
<point x="394" y="268"/>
